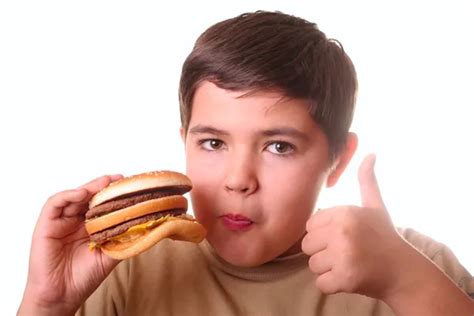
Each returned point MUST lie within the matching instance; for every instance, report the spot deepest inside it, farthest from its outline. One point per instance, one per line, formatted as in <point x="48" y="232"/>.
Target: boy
<point x="266" y="103"/>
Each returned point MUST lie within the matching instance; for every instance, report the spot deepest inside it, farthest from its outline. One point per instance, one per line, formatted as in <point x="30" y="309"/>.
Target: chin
<point x="241" y="260"/>
<point x="239" y="253"/>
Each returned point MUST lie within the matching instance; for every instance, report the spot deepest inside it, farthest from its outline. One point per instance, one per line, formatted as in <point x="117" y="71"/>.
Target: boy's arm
<point x="358" y="250"/>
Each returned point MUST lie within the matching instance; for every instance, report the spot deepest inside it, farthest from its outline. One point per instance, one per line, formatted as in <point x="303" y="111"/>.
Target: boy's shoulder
<point x="442" y="256"/>
<point x="427" y="245"/>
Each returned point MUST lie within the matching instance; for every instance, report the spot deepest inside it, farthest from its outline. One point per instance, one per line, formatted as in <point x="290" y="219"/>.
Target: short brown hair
<point x="263" y="51"/>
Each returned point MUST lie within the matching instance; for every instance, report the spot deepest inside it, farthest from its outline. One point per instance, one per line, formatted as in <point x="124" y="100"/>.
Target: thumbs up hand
<point x="358" y="250"/>
<point x="353" y="249"/>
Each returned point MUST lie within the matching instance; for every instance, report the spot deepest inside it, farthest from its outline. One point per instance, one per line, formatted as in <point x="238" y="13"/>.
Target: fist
<point x="354" y="249"/>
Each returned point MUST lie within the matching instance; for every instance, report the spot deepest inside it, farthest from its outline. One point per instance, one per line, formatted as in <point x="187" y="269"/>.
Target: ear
<point x="182" y="132"/>
<point x="343" y="160"/>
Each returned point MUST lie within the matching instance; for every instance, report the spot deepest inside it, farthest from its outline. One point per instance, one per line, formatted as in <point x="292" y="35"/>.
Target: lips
<point x="236" y="222"/>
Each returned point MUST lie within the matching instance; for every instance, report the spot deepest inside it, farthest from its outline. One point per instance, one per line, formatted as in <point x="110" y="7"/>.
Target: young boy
<point x="266" y="104"/>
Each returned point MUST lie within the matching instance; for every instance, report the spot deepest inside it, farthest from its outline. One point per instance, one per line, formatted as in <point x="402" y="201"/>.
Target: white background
<point x="90" y="87"/>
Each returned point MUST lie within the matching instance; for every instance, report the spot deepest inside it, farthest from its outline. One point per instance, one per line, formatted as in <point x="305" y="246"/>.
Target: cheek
<point x="203" y="173"/>
<point x="200" y="202"/>
<point x="202" y="199"/>
<point x="296" y="185"/>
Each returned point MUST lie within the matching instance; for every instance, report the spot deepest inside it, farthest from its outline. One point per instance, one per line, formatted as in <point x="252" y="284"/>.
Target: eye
<point x="211" y="144"/>
<point x="280" y="148"/>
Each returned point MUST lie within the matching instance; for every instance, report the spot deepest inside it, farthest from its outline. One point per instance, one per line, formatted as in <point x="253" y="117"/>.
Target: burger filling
<point x="102" y="236"/>
<point x="137" y="197"/>
<point x="133" y="228"/>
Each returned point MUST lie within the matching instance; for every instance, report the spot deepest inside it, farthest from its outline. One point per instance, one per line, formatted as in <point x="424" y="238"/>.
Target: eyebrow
<point x="203" y="129"/>
<point x="285" y="131"/>
<point x="279" y="131"/>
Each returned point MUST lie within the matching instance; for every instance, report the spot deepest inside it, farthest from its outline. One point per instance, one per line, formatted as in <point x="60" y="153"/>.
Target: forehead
<point x="219" y="107"/>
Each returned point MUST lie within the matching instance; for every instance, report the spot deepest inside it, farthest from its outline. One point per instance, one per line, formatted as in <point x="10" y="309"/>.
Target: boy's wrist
<point x="31" y="306"/>
<point x="405" y="272"/>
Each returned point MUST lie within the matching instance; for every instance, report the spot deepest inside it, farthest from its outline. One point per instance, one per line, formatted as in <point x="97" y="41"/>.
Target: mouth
<point x="236" y="222"/>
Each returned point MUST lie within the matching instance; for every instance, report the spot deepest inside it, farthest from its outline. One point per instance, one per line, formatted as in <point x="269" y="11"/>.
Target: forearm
<point x="428" y="291"/>
<point x="31" y="309"/>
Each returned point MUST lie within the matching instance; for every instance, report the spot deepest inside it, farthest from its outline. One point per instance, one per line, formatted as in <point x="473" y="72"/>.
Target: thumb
<point x="369" y="188"/>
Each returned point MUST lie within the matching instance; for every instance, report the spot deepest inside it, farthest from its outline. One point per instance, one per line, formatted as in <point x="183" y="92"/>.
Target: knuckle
<point x="349" y="216"/>
<point x="304" y="244"/>
<point x="344" y="232"/>
<point x="326" y="286"/>
<point x="352" y="278"/>
<point x="312" y="263"/>
<point x="307" y="244"/>
<point x="102" y="180"/>
<point x="56" y="197"/>
<point x="348" y="224"/>
<point x="309" y="223"/>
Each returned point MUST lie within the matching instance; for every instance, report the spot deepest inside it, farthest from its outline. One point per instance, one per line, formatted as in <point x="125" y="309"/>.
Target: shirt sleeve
<point x="443" y="257"/>
<point x="447" y="261"/>
<point x="110" y="297"/>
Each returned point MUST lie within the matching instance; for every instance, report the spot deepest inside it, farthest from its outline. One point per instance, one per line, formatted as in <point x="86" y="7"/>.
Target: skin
<point x="234" y="163"/>
<point x="239" y="167"/>
<point x="63" y="272"/>
<point x="254" y="173"/>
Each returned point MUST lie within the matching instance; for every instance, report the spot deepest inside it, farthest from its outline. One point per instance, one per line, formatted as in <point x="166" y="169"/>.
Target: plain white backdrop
<point x="90" y="87"/>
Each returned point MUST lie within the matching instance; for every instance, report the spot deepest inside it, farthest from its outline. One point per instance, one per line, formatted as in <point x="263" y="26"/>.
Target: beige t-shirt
<point x="180" y="278"/>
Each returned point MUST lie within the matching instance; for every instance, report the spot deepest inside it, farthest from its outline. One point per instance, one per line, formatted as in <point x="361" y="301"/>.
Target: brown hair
<point x="263" y="51"/>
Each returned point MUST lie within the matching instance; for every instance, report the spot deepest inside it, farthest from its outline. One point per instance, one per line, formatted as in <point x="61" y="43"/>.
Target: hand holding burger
<point x="63" y="272"/>
<point x="125" y="216"/>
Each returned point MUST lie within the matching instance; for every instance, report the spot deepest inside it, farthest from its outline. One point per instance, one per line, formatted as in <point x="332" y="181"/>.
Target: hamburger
<point x="134" y="213"/>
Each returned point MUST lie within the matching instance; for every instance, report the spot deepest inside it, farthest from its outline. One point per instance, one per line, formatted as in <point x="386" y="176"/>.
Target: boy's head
<point x="266" y="104"/>
<point x="272" y="51"/>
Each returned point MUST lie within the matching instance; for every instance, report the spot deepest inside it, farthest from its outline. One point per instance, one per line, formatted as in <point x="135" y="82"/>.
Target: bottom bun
<point x="178" y="229"/>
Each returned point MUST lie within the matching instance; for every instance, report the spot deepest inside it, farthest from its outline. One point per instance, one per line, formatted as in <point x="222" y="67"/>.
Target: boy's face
<point x="257" y="164"/>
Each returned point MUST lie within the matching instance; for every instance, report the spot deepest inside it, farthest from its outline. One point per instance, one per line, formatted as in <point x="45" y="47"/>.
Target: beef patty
<point x="103" y="235"/>
<point x="129" y="200"/>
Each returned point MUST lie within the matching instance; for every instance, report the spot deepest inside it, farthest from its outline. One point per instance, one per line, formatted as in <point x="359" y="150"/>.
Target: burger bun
<point x="174" y="228"/>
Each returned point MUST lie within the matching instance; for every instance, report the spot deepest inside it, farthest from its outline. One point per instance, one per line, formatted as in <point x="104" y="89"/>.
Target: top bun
<point x="140" y="182"/>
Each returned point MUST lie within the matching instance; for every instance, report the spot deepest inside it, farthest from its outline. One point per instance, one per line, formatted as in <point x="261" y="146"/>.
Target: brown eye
<point x="280" y="148"/>
<point x="211" y="144"/>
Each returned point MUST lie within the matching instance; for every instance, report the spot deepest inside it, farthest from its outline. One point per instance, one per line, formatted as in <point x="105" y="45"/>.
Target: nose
<point x="241" y="174"/>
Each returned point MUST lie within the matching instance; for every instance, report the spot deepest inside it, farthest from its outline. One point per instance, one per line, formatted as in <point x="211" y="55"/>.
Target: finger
<point x="116" y="177"/>
<point x="98" y="184"/>
<point x="64" y="227"/>
<point x="92" y="188"/>
<point x="55" y="204"/>
<point x="315" y="241"/>
<point x="327" y="283"/>
<point x="369" y="189"/>
<point x="320" y="262"/>
<point x="321" y="218"/>
<point x="75" y="209"/>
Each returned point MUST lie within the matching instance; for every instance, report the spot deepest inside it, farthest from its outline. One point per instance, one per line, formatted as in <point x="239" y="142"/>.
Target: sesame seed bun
<point x="140" y="182"/>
